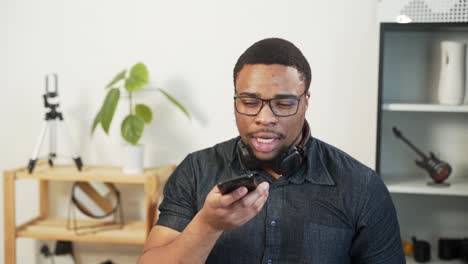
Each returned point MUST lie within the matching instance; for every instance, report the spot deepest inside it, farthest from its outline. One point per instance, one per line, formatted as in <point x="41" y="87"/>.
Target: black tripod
<point x="53" y="118"/>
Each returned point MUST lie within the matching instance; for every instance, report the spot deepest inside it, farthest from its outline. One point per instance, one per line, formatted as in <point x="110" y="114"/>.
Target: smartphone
<point x="248" y="180"/>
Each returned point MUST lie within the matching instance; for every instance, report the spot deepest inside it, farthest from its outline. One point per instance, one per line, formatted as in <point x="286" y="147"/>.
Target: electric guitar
<point x="437" y="169"/>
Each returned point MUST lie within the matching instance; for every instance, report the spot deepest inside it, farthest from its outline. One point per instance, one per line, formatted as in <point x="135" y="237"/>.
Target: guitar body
<point x="438" y="170"/>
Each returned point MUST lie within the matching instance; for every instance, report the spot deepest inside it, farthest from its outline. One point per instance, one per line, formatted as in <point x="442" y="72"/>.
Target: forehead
<point x="269" y="80"/>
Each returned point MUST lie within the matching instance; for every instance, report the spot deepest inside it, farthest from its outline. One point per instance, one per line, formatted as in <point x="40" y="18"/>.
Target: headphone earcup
<point x="290" y="161"/>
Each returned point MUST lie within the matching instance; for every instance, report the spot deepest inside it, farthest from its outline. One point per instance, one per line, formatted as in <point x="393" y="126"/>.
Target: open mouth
<point x="264" y="144"/>
<point x="265" y="140"/>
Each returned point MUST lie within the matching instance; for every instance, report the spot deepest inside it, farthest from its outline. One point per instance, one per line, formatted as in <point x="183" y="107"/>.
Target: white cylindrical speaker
<point x="451" y="90"/>
<point x="466" y="74"/>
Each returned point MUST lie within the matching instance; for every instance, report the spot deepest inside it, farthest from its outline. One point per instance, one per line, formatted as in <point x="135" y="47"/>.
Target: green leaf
<point x="96" y="121"/>
<point x="175" y="102"/>
<point x="117" y="78"/>
<point x="145" y="112"/>
<point x="138" y="77"/>
<point x="108" y="108"/>
<point x="132" y="128"/>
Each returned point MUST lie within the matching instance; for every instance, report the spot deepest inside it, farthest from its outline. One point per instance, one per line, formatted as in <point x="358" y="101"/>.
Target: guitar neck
<point x="420" y="153"/>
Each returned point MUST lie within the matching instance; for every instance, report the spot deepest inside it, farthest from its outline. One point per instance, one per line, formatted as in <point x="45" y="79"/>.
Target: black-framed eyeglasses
<point x="281" y="106"/>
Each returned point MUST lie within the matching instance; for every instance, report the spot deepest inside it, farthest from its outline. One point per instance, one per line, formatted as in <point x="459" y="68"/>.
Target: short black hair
<point x="275" y="51"/>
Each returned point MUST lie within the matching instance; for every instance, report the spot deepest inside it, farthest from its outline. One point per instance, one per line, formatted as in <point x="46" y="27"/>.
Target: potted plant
<point x="139" y="115"/>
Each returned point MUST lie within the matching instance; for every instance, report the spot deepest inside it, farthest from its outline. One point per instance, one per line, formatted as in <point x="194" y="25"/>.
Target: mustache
<point x="279" y="134"/>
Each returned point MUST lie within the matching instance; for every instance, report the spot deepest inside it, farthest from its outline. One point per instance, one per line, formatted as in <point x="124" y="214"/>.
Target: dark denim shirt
<point x="333" y="210"/>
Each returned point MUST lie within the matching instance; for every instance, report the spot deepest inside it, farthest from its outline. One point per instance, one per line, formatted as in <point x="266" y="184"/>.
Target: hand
<point x="224" y="212"/>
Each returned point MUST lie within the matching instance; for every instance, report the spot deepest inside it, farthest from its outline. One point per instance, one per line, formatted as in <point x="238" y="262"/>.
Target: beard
<point x="268" y="162"/>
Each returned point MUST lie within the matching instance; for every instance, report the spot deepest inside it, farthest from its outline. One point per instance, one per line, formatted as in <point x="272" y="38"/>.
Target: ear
<point x="307" y="97"/>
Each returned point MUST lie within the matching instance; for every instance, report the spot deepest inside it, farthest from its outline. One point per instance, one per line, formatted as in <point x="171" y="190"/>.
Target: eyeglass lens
<point x="279" y="106"/>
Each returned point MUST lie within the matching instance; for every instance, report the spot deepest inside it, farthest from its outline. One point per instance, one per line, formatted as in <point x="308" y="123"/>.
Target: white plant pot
<point x="451" y="89"/>
<point x="133" y="159"/>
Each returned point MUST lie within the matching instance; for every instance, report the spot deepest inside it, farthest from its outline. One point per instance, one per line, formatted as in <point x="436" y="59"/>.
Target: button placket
<point x="272" y="225"/>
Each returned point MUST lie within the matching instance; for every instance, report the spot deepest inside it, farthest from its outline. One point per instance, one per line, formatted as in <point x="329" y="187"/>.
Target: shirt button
<point x="272" y="223"/>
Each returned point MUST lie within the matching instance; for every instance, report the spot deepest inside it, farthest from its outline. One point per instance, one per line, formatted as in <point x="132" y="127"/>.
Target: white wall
<point x="190" y="48"/>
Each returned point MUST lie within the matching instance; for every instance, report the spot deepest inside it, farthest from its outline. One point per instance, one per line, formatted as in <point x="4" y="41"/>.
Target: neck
<point x="274" y="174"/>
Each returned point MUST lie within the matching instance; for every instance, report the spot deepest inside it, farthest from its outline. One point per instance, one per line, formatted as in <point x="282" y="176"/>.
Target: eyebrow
<point x="246" y="94"/>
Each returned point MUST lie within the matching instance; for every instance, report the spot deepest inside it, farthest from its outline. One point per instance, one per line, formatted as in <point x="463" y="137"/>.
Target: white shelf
<point x="425" y="108"/>
<point x="458" y="187"/>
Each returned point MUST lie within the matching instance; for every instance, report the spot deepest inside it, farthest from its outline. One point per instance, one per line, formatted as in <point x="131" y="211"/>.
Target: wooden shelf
<point x="56" y="229"/>
<point x="458" y="187"/>
<point x="425" y="108"/>
<point x="90" y="173"/>
<point x="410" y="260"/>
<point x="46" y="227"/>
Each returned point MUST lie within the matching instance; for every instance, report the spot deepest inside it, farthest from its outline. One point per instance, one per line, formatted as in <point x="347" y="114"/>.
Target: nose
<point x="266" y="116"/>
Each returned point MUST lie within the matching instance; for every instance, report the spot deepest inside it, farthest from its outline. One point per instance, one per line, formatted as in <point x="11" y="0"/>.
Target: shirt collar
<point x="313" y="170"/>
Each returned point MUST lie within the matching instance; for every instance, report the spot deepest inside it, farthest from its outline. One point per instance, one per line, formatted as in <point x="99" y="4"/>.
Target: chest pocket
<point x="326" y="245"/>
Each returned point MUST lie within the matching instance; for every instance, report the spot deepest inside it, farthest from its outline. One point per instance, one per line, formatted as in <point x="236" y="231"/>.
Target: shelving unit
<point x="49" y="228"/>
<point x="408" y="83"/>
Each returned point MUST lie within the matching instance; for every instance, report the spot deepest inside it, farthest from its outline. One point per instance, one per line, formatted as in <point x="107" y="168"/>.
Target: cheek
<point x="293" y="128"/>
<point x="241" y="122"/>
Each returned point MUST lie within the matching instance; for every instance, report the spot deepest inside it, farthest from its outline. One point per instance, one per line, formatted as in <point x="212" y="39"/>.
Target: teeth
<point x="265" y="140"/>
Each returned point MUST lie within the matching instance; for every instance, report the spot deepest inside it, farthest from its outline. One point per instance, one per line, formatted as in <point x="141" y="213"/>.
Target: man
<point x="316" y="204"/>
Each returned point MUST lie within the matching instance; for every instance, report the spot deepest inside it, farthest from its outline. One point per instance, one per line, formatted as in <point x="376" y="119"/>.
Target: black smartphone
<point x="248" y="180"/>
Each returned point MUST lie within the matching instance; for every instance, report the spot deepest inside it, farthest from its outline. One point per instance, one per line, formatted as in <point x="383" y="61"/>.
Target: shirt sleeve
<point x="179" y="203"/>
<point x="378" y="238"/>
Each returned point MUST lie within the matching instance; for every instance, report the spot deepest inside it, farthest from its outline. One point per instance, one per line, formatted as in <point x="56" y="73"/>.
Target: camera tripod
<point x="53" y="119"/>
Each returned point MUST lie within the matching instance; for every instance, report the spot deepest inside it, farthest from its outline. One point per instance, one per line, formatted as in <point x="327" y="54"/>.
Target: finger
<point x="260" y="191"/>
<point x="263" y="187"/>
<point x="251" y="211"/>
<point x="259" y="203"/>
<point x="228" y="199"/>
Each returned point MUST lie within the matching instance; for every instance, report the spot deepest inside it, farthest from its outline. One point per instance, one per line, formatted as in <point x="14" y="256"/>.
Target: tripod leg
<point x="52" y="142"/>
<point x="40" y="139"/>
<point x="78" y="162"/>
<point x="75" y="156"/>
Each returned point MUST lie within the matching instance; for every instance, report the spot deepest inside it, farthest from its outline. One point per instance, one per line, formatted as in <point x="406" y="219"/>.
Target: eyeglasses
<point x="281" y="107"/>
